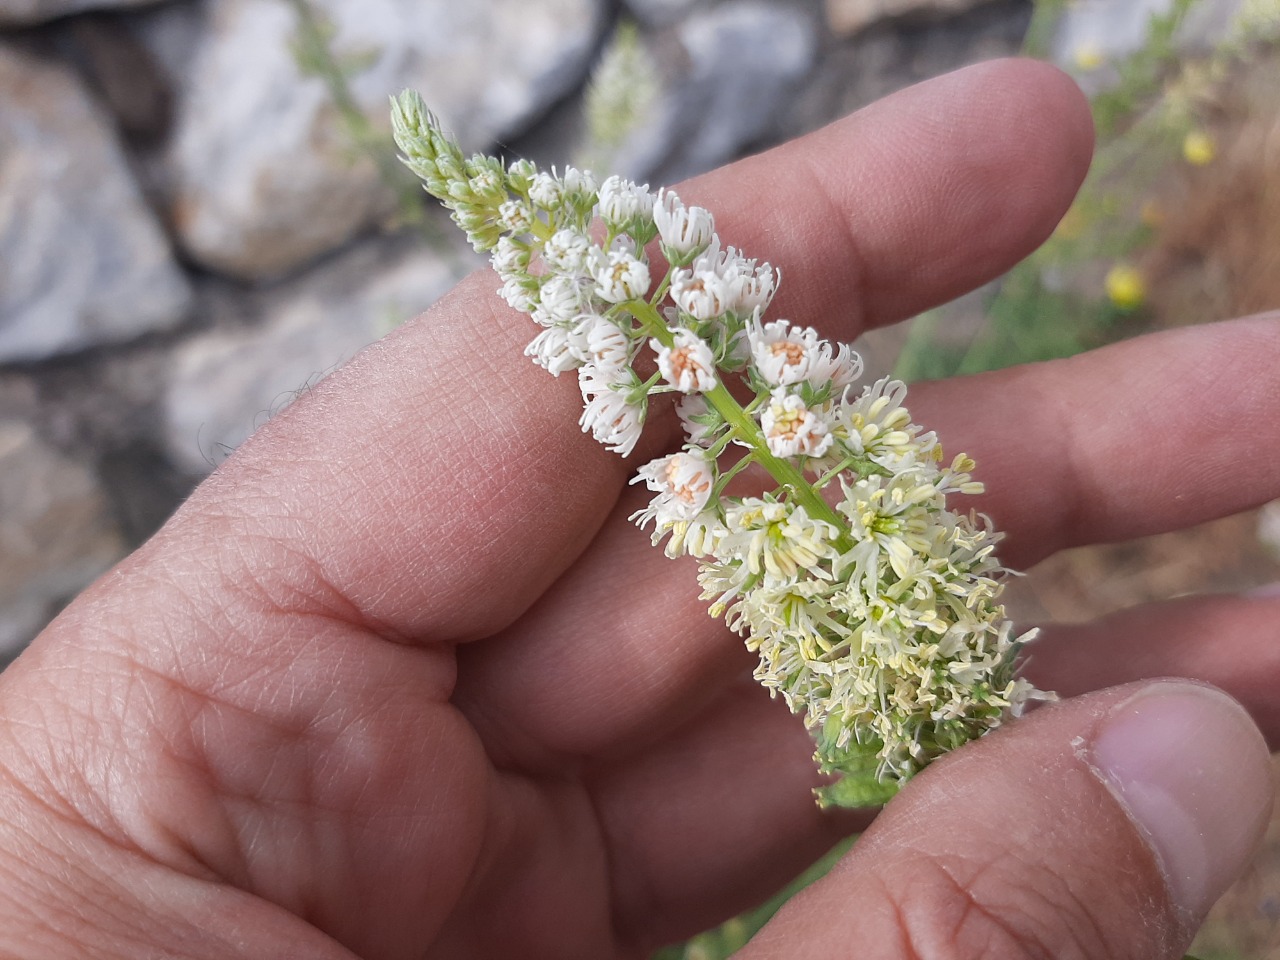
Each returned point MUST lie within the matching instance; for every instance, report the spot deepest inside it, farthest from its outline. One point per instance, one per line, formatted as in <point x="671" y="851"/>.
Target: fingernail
<point x="1193" y="772"/>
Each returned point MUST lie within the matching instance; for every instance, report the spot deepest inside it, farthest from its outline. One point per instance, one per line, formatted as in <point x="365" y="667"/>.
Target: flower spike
<point x="878" y="618"/>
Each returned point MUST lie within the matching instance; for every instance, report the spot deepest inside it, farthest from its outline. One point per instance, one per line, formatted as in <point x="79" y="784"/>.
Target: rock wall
<point x="189" y="236"/>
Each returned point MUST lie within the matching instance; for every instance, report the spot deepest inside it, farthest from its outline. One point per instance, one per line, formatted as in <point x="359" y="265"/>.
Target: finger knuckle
<point x="960" y="910"/>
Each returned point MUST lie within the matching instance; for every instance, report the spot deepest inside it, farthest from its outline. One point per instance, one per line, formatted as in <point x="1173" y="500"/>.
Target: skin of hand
<point x="401" y="681"/>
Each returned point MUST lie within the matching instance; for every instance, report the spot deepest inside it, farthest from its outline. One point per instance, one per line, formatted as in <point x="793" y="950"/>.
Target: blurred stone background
<point x="188" y="234"/>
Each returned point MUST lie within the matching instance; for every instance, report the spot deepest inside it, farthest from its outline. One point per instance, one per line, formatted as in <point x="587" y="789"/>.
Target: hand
<point x="401" y="681"/>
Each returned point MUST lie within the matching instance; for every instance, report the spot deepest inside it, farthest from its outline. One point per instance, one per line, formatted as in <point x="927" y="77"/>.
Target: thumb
<point x="1102" y="827"/>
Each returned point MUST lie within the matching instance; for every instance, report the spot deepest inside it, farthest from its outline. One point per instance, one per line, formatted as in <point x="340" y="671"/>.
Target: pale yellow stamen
<point x="690" y="492"/>
<point x="683" y="361"/>
<point x="793" y="352"/>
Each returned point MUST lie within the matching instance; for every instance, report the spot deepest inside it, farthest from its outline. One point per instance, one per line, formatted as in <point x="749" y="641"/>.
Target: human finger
<point x="1152" y="434"/>
<point x="1231" y="641"/>
<point x="912" y="201"/>
<point x="1104" y="827"/>
<point x="714" y="819"/>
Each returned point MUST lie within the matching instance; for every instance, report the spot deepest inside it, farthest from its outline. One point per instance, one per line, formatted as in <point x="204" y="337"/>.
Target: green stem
<point x="661" y="291"/>
<point x="541" y="229"/>
<point x="835" y="471"/>
<point x="784" y="471"/>
<point x="312" y="34"/>
<point x="721" y="445"/>
<point x="787" y="474"/>
<point x="650" y="320"/>
<point x="722" y="482"/>
<point x="315" y="55"/>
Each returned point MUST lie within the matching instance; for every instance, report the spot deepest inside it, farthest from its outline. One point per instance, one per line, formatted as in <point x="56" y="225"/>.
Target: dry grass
<point x="1219" y="250"/>
<point x="1217" y="256"/>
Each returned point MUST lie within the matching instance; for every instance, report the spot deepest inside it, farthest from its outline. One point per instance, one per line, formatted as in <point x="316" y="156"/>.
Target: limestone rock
<point x="265" y="176"/>
<point x="747" y="57"/>
<point x="660" y="12"/>
<point x="735" y="69"/>
<point x="82" y="259"/>
<point x="877" y="63"/>
<point x="125" y="76"/>
<point x="847" y="17"/>
<point x="171" y="33"/>
<point x="226" y="383"/>
<point x="56" y="533"/>
<point x="22" y="13"/>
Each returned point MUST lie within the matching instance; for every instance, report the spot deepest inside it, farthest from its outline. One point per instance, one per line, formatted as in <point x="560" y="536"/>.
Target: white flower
<point x="514" y="216"/>
<point x="621" y="277"/>
<point x="695" y="538"/>
<point x="487" y="184"/>
<point x="545" y="191"/>
<point x="792" y="429"/>
<point x="509" y="257"/>
<point x="621" y="201"/>
<point x="784" y="354"/>
<point x="685" y="231"/>
<point x="779" y="540"/>
<point x="551" y="350"/>
<point x="714" y="259"/>
<point x="683" y="484"/>
<point x="579" y="185"/>
<point x="566" y="252"/>
<point x="722" y="582"/>
<point x="609" y="418"/>
<point x="601" y="343"/>
<point x="878" y="425"/>
<point x="560" y="301"/>
<point x="690" y="408"/>
<point x="688" y="365"/>
<point x="700" y="293"/>
<point x="750" y="286"/>
<point x="516" y="294"/>
<point x="897" y="520"/>
<point x="744" y="285"/>
<point x="522" y="169"/>
<point x="593" y="380"/>
<point x="1021" y="691"/>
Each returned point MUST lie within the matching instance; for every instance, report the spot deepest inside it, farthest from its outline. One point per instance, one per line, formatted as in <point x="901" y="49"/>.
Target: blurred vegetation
<point x="622" y="97"/>
<point x="314" y="52"/>
<point x="1084" y="286"/>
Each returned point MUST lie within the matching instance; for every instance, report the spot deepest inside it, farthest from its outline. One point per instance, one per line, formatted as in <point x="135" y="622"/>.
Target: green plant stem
<point x="745" y="428"/>
<point x="783" y="471"/>
<point x="661" y="291"/>
<point x="315" y="56"/>
<point x="312" y="33"/>
<point x="1044" y="19"/>
<point x="722" y="482"/>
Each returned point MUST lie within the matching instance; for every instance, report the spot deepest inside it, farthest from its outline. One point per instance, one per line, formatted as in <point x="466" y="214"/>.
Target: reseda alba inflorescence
<point x="875" y="611"/>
